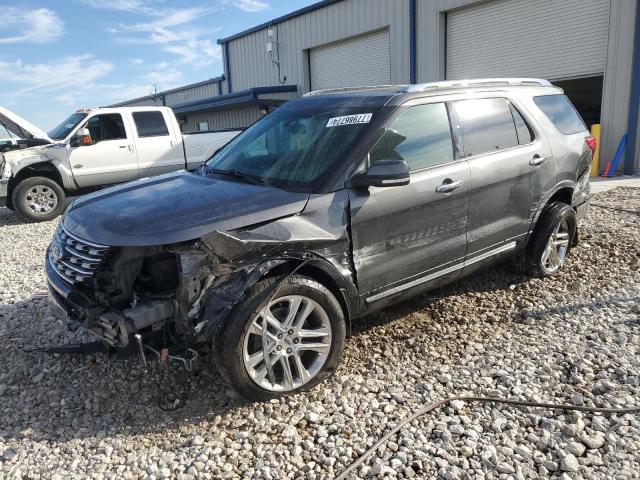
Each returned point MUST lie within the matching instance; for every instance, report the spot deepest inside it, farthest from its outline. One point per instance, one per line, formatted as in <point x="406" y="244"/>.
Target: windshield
<point x="62" y="130"/>
<point x="294" y="147"/>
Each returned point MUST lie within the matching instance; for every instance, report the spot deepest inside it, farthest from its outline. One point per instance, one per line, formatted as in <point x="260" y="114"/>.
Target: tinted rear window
<point x="487" y="125"/>
<point x="561" y="112"/>
<point x="150" y="124"/>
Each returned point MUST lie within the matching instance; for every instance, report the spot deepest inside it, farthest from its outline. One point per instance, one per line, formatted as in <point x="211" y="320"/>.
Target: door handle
<point x="130" y="148"/>
<point x="537" y="160"/>
<point x="77" y="165"/>
<point x="448" y="186"/>
<point x="173" y="144"/>
<point x="123" y="146"/>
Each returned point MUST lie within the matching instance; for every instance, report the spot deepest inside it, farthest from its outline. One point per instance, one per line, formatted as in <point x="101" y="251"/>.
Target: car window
<point x="525" y="134"/>
<point x="150" y="124"/>
<point x="106" y="127"/>
<point x="420" y="135"/>
<point x="296" y="146"/>
<point x="560" y="110"/>
<point x="486" y="124"/>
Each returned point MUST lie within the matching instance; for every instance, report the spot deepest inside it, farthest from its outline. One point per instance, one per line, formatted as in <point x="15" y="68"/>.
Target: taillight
<point x="592" y="143"/>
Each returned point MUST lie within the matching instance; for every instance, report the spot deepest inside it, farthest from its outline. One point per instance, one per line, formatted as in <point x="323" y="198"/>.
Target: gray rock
<point x="592" y="441"/>
<point x="575" y="448"/>
<point x="569" y="463"/>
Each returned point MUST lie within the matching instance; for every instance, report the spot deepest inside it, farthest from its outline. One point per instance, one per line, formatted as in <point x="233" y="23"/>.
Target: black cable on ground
<point x="434" y="406"/>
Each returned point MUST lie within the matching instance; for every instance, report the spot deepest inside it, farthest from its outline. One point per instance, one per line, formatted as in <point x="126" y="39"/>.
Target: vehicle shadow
<point x="9" y="217"/>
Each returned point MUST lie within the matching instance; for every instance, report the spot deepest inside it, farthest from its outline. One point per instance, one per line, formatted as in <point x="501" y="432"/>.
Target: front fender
<point x="18" y="160"/>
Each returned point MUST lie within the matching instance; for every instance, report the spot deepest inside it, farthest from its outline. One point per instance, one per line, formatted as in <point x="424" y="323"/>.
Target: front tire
<point x="38" y="199"/>
<point x="302" y="331"/>
<point x="551" y="240"/>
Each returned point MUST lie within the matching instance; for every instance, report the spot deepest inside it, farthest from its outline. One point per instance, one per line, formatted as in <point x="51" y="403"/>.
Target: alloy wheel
<point x="287" y="343"/>
<point x="41" y="199"/>
<point x="556" y="249"/>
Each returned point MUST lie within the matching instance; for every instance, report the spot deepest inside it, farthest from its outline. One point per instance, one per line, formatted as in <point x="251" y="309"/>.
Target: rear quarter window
<point x="561" y="112"/>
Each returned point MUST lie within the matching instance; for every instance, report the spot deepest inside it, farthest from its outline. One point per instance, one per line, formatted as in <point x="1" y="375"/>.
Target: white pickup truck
<point x="92" y="149"/>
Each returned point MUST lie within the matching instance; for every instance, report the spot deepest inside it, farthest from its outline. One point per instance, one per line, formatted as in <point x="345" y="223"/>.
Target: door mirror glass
<point x="383" y="173"/>
<point x="82" y="138"/>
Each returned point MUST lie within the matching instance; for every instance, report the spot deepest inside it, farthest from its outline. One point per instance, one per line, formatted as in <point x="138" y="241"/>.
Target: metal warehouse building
<point x="584" y="46"/>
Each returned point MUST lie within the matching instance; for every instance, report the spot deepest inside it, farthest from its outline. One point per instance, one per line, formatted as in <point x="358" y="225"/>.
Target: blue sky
<point x="56" y="56"/>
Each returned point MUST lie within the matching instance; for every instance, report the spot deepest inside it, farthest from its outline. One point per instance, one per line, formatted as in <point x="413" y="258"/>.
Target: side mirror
<point x="83" y="137"/>
<point x="383" y="173"/>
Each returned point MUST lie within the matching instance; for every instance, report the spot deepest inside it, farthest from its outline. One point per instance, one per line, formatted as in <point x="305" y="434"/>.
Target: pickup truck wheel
<point x="551" y="240"/>
<point x="270" y="347"/>
<point x="38" y="199"/>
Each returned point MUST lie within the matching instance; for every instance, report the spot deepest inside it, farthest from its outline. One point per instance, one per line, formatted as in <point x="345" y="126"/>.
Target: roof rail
<point x="480" y="82"/>
<point x="397" y="88"/>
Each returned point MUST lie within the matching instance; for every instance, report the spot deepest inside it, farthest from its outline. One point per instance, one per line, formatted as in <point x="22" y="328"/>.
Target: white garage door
<point x="528" y="38"/>
<point x="360" y="61"/>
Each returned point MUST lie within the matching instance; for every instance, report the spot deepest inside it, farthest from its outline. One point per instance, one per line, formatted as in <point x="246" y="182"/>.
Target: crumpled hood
<point x="16" y="157"/>
<point x="174" y="208"/>
<point x="20" y="127"/>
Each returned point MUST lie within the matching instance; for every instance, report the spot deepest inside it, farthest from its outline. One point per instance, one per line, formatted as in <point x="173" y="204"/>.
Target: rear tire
<point x="38" y="199"/>
<point x="302" y="354"/>
<point x="551" y="241"/>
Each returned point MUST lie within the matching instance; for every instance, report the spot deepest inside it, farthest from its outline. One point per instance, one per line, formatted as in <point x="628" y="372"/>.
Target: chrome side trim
<point x="432" y="276"/>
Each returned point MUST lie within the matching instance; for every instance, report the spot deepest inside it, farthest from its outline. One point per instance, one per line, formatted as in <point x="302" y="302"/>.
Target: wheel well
<point x="44" y="169"/>
<point x="563" y="195"/>
<point x="319" y="275"/>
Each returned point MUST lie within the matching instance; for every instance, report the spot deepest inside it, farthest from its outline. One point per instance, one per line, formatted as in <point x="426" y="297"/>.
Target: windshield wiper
<point x="232" y="172"/>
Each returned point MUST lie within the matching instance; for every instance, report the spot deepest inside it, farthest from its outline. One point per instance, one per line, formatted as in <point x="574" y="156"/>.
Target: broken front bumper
<point x="114" y="327"/>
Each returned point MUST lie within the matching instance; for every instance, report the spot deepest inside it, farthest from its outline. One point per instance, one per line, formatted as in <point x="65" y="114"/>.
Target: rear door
<point x="511" y="168"/>
<point x="111" y="157"/>
<point x="159" y="148"/>
<point x="406" y="236"/>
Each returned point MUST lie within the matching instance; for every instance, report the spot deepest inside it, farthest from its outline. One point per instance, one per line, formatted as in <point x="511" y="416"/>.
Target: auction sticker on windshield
<point x="349" y="120"/>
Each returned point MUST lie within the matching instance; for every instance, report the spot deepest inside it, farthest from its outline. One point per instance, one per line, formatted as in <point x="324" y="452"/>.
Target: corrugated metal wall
<point x="252" y="66"/>
<point x="143" y="102"/>
<point x="233" y="118"/>
<point x="192" y="94"/>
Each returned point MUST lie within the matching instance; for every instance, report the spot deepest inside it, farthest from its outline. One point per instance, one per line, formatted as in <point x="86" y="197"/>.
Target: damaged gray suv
<point x="332" y="206"/>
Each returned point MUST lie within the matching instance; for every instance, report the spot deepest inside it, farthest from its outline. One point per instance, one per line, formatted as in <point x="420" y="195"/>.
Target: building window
<point x="203" y="126"/>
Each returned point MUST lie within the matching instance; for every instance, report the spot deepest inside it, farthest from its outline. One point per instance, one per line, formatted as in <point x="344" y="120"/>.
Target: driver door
<point x="413" y="235"/>
<point x="111" y="157"/>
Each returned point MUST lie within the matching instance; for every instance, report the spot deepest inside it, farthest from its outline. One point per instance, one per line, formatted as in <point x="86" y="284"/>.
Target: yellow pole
<point x="595" y="132"/>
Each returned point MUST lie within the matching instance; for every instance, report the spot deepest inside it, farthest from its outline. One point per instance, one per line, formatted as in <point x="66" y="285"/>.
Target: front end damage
<point x="179" y="294"/>
<point x="116" y="293"/>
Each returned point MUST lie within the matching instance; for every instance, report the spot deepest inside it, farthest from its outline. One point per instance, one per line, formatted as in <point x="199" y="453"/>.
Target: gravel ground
<point x="572" y="338"/>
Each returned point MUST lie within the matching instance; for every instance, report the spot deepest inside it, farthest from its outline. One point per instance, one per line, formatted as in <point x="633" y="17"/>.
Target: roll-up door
<point x="363" y="60"/>
<point x="528" y="38"/>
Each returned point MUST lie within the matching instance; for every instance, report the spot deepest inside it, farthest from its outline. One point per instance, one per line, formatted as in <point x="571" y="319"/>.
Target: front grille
<point x="74" y="259"/>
